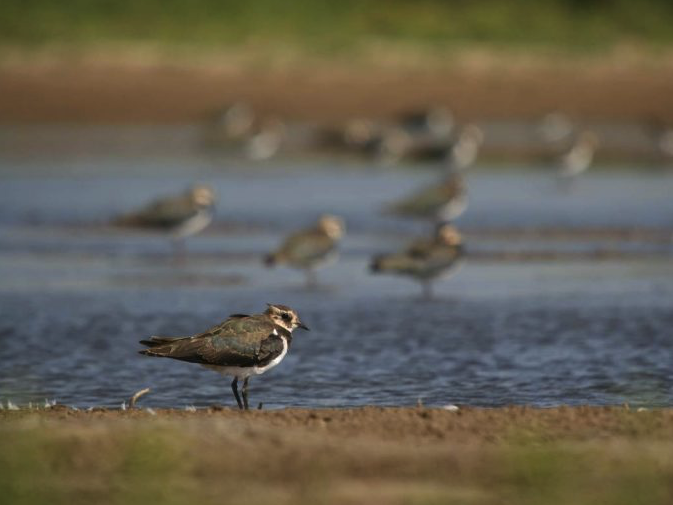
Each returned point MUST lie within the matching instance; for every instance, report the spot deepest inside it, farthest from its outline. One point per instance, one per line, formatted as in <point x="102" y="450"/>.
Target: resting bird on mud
<point x="444" y="200"/>
<point x="240" y="347"/>
<point x="178" y="216"/>
<point x="425" y="259"/>
<point x="420" y="134"/>
<point x="432" y="144"/>
<point x="309" y="249"/>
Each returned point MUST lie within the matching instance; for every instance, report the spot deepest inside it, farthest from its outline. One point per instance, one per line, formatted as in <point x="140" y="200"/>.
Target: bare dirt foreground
<point x="579" y="455"/>
<point x="99" y="89"/>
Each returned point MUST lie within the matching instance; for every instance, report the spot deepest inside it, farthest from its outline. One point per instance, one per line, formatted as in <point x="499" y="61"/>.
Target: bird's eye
<point x="286" y="316"/>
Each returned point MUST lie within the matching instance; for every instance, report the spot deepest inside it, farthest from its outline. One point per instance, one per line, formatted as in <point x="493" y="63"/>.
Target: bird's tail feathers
<point x="389" y="263"/>
<point x="271" y="260"/>
<point x="376" y="264"/>
<point x="156" y="341"/>
<point x="126" y="220"/>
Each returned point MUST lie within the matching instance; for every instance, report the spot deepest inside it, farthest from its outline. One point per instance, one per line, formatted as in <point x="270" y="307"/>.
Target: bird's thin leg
<point x="311" y="279"/>
<point x="567" y="184"/>
<point x="179" y="250"/>
<point x="244" y="392"/>
<point x="427" y="289"/>
<point x="234" y="388"/>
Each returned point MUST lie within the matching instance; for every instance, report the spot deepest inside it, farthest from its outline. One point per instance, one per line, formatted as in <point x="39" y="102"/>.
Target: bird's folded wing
<point x="164" y="212"/>
<point x="307" y="245"/>
<point x="398" y="262"/>
<point x="420" y="248"/>
<point x="239" y="341"/>
<point x="420" y="202"/>
<point x="442" y="256"/>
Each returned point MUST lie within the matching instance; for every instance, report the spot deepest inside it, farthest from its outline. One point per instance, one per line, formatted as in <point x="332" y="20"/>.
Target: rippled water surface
<point x="76" y="296"/>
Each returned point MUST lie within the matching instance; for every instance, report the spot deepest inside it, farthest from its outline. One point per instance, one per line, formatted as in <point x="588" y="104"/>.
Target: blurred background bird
<point x="417" y="134"/>
<point x="233" y="123"/>
<point x="310" y="249"/>
<point x="661" y="135"/>
<point x="425" y="259"/>
<point x="444" y="200"/>
<point x="265" y="143"/>
<point x="463" y="153"/>
<point x="577" y="159"/>
<point x="555" y="127"/>
<point x="178" y="216"/>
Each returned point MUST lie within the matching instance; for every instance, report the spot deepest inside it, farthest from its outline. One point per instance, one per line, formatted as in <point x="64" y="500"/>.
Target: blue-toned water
<point x="591" y="327"/>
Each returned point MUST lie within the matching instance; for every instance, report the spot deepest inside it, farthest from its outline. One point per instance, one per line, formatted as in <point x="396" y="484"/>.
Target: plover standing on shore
<point x="179" y="215"/>
<point x="308" y="249"/>
<point x="425" y="259"/>
<point x="240" y="347"/>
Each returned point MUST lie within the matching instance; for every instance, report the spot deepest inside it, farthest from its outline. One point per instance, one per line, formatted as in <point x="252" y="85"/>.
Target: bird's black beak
<point x="302" y="326"/>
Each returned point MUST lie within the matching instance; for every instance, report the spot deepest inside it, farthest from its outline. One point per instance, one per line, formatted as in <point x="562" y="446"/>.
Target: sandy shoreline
<point x="102" y="91"/>
<point x="401" y="424"/>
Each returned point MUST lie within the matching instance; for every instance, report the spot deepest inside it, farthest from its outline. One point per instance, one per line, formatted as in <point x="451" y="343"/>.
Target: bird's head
<point x="202" y="195"/>
<point x="332" y="226"/>
<point x="284" y="316"/>
<point x="472" y="134"/>
<point x="448" y="234"/>
<point x="358" y="132"/>
<point x="589" y="139"/>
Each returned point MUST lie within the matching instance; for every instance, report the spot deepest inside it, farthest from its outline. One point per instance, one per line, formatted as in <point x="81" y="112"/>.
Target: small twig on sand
<point x="135" y="397"/>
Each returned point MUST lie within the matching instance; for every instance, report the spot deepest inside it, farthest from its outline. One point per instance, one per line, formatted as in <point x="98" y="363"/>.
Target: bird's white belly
<point x="453" y="209"/>
<point x="194" y="224"/>
<point x="244" y="372"/>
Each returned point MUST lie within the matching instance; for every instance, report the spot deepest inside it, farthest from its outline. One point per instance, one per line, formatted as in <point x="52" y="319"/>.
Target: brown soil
<point x="117" y="92"/>
<point x="405" y="425"/>
<point x="583" y="455"/>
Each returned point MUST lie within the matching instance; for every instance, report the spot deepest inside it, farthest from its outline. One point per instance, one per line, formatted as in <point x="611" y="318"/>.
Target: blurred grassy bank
<point x="324" y="26"/>
<point x="580" y="455"/>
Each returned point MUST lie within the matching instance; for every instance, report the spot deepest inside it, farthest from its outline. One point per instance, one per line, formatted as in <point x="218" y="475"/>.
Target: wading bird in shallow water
<point x="425" y="259"/>
<point x="179" y="215"/>
<point x="239" y="347"/>
<point x="309" y="249"/>
<point x="445" y="199"/>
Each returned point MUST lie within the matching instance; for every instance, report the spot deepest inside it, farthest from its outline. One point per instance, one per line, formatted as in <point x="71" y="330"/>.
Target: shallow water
<point x="76" y="296"/>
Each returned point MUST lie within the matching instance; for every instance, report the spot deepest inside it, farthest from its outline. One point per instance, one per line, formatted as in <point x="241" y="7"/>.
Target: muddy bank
<point x="102" y="91"/>
<point x="402" y="425"/>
